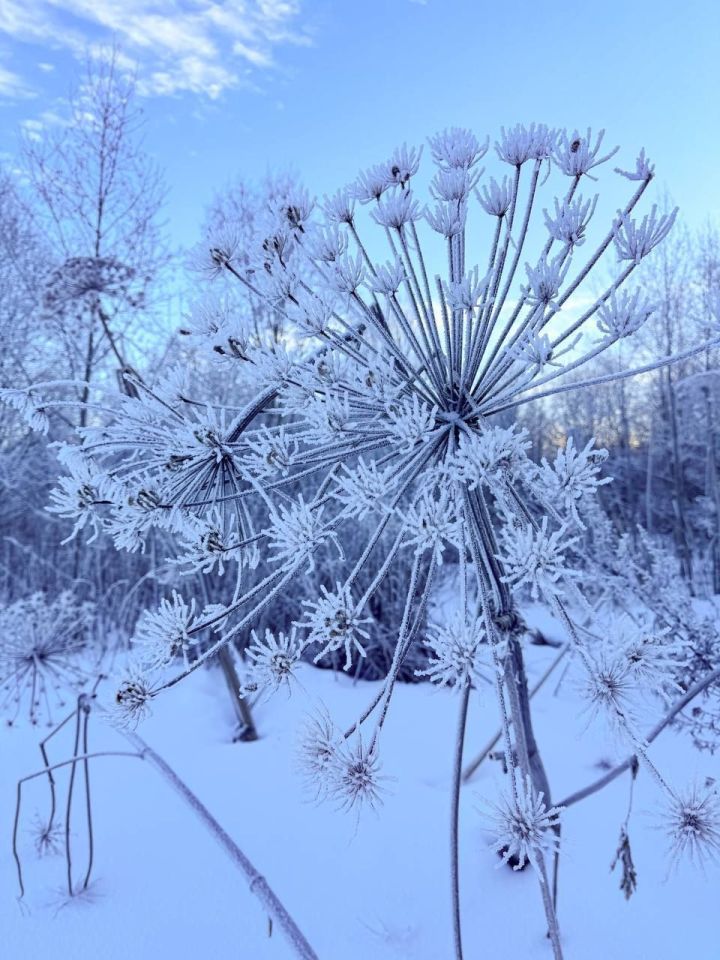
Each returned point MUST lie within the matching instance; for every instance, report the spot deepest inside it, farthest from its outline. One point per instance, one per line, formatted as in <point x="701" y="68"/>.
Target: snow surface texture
<point x="374" y="888"/>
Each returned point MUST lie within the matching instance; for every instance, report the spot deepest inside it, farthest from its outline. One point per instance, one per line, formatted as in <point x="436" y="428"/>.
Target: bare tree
<point x="98" y="198"/>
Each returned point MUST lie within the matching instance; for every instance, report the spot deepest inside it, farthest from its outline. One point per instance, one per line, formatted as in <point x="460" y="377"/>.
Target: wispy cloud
<point x="12" y="87"/>
<point x="200" y="46"/>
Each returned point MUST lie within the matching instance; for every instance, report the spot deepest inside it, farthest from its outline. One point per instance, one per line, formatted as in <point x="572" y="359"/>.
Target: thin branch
<point x="611" y="775"/>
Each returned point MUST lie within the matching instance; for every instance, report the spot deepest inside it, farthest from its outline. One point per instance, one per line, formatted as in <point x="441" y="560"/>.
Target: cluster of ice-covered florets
<point x="335" y="623"/>
<point x="537" y="556"/>
<point x="458" y="653"/>
<point x="524" y="827"/>
<point x="692" y="824"/>
<point x="573" y="478"/>
<point x="166" y="633"/>
<point x="340" y="768"/>
<point x="407" y="347"/>
<point x="272" y="660"/>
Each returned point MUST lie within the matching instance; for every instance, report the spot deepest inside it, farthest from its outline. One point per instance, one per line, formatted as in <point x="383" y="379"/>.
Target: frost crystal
<point x="457" y="148"/>
<point x="363" y="489"/>
<point x="430" y="524"/>
<point x="495" y="197"/>
<point x="296" y="531"/>
<point x="411" y="422"/>
<point x="28" y="406"/>
<point x="622" y="314"/>
<point x="573" y="478"/>
<point x="570" y="220"/>
<point x="520" y="143"/>
<point x="634" y="240"/>
<point x="355" y="776"/>
<point x="492" y="457"/>
<point x="576" y="155"/>
<point x="132" y="700"/>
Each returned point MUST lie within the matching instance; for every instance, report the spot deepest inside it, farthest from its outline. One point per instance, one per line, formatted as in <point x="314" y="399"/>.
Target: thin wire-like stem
<point x="478" y="760"/>
<point x="455" y="819"/>
<point x="43" y="773"/>
<point x="88" y="801"/>
<point x="68" y="810"/>
<point x="707" y="681"/>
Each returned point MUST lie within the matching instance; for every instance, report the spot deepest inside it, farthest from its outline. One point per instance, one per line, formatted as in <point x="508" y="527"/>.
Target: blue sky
<point x="329" y="87"/>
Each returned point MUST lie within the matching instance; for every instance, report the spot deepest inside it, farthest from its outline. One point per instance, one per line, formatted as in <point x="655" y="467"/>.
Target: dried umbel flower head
<point x="456" y="653"/>
<point x="132" y="700"/>
<point x="41" y="645"/>
<point x="412" y="339"/>
<point x="610" y="690"/>
<point x="273" y="660"/>
<point x="523" y="826"/>
<point x="335" y="623"/>
<point x="691" y="821"/>
<point x="573" y="479"/>
<point x="166" y="633"/>
<point x="410" y="359"/>
<point x="355" y="776"/>
<point x="536" y="556"/>
<point x="318" y="748"/>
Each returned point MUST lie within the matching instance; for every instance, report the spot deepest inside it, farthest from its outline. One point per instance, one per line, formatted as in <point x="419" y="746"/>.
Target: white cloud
<point x="34" y="126"/>
<point x="201" y="46"/>
<point x="12" y="86"/>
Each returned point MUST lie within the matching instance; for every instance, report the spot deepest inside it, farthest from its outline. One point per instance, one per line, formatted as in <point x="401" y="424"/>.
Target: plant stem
<point x="258" y="884"/>
<point x="454" y="821"/>
<point x="473" y="766"/>
<point x="611" y="775"/>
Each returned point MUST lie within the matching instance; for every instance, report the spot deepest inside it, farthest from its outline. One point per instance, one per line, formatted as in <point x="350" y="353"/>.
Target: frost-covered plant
<point x="412" y="363"/>
<point x="523" y="825"/>
<point x="693" y="824"/>
<point x="41" y="640"/>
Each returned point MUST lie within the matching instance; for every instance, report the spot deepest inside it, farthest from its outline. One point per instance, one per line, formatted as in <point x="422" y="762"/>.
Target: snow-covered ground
<point x="373" y="888"/>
